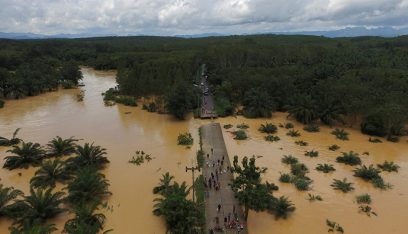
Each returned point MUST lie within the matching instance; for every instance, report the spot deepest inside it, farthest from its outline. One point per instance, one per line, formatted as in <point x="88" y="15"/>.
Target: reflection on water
<point x="120" y="132"/>
<point x="123" y="130"/>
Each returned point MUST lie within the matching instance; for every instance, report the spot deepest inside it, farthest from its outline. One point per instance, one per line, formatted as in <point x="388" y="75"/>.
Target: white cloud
<point x="165" y="17"/>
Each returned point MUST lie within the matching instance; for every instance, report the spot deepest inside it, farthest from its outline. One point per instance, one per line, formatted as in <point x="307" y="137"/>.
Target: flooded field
<point x="123" y="130"/>
<point x="310" y="217"/>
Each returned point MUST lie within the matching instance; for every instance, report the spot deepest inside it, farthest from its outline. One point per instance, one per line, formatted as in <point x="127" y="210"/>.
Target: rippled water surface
<point x="123" y="130"/>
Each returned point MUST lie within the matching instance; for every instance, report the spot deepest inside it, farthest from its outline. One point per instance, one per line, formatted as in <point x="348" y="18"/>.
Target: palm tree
<point x="89" y="155"/>
<point x="303" y="109"/>
<point x="164" y="184"/>
<point x="342" y="185"/>
<point x="39" y="206"/>
<point x="50" y="173"/>
<point x="281" y="207"/>
<point x="85" y="221"/>
<point x="25" y="155"/>
<point x="9" y="142"/>
<point x="59" y="147"/>
<point x="28" y="228"/>
<point x="89" y="185"/>
<point x="7" y="194"/>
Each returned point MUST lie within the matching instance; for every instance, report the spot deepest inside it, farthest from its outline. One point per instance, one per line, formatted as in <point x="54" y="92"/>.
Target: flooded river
<point x="123" y="130"/>
<point x="122" y="133"/>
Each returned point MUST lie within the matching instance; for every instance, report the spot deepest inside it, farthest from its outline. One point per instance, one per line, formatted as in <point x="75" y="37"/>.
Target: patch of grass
<point x="302" y="183"/>
<point x="301" y="143"/>
<point x="289" y="125"/>
<point x="289" y="159"/>
<point x="340" y="134"/>
<point x="240" y="135"/>
<point x="342" y="185"/>
<point x="349" y="158"/>
<point x="285" y="178"/>
<point x="200" y="158"/>
<point x="363" y="199"/>
<point x="293" y="133"/>
<point x="185" y="139"/>
<point x="388" y="166"/>
<point x="367" y="210"/>
<point x="299" y="169"/>
<point x="312" y="197"/>
<point x="312" y="128"/>
<point x="367" y="173"/>
<point x="140" y="158"/>
<point x="325" y="168"/>
<point x="334" y="227"/>
<point x="268" y="128"/>
<point x="243" y="126"/>
<point x="334" y="147"/>
<point x="272" y="138"/>
<point x="312" y="153"/>
<point x="379" y="183"/>
<point x="228" y="126"/>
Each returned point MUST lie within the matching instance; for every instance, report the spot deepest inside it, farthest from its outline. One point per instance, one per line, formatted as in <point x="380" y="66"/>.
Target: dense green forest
<point x="312" y="78"/>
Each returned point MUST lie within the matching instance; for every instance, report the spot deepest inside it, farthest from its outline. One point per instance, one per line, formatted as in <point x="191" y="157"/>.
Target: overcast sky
<point x="170" y="17"/>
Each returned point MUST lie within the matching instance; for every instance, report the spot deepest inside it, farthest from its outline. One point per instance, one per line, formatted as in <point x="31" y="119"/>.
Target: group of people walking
<point x="218" y="167"/>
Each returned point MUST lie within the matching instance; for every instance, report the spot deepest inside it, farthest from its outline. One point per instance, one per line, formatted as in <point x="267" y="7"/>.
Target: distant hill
<point x="346" y="32"/>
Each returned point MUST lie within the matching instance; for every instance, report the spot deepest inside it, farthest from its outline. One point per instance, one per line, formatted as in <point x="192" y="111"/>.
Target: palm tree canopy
<point x="25" y="155"/>
<point x="7" y="194"/>
<point x="60" y="147"/>
<point x="49" y="174"/>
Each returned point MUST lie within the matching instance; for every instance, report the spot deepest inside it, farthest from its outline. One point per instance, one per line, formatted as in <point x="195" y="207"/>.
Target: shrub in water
<point x="301" y="143"/>
<point x="312" y="153"/>
<point x="334" y="147"/>
<point x="312" y="128"/>
<point x="342" y="185"/>
<point x="388" y="166"/>
<point x="363" y="199"/>
<point x="289" y="159"/>
<point x="240" y="135"/>
<point x="340" y="134"/>
<point x="293" y="133"/>
<point x="349" y="158"/>
<point x="272" y="138"/>
<point x="268" y="128"/>
<point x="185" y="139"/>
<point x="326" y="168"/>
<point x="285" y="178"/>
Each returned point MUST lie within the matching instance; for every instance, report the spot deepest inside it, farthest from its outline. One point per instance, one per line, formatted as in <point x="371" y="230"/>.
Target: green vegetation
<point x="312" y="128"/>
<point x="185" y="139"/>
<point x="60" y="147"/>
<point x="301" y="143"/>
<point x="334" y="227"/>
<point x="272" y="138"/>
<point x="374" y="140"/>
<point x="200" y="158"/>
<point x="372" y="175"/>
<point x="228" y="126"/>
<point x="363" y="199"/>
<point x="325" y="168"/>
<point x="285" y="178"/>
<point x="388" y="166"/>
<point x="268" y="128"/>
<point x="289" y="125"/>
<point x="88" y="155"/>
<point x="180" y="214"/>
<point x="289" y="159"/>
<point x="340" y="134"/>
<point x="139" y="158"/>
<point x="12" y="141"/>
<point x="85" y="220"/>
<point x="293" y="133"/>
<point x="312" y="197"/>
<point x="240" y="135"/>
<point x="342" y="185"/>
<point x="334" y="147"/>
<point x="1" y="103"/>
<point x="312" y="153"/>
<point x="254" y="194"/>
<point x="49" y="174"/>
<point x="349" y="158"/>
<point x="367" y="210"/>
<point x="7" y="195"/>
<point x="181" y="99"/>
<point x="88" y="186"/>
<point x="112" y="96"/>
<point x="28" y="154"/>
<point x="299" y="169"/>
<point x="302" y="183"/>
<point x="243" y="126"/>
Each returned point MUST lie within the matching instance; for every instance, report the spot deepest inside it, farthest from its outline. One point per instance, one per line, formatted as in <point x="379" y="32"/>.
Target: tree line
<point x="315" y="79"/>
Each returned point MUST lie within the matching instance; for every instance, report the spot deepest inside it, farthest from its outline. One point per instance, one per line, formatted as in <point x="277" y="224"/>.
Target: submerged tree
<point x="12" y="141"/>
<point x="303" y="109"/>
<point x="249" y="189"/>
<point x="7" y="194"/>
<point x="180" y="100"/>
<point x="49" y="174"/>
<point x="86" y="221"/>
<point x="28" y="154"/>
<point x="60" y="147"/>
<point x="88" y="155"/>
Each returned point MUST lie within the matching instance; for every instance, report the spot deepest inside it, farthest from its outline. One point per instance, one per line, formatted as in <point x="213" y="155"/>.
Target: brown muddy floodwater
<point x="310" y="217"/>
<point x="58" y="113"/>
<point x="122" y="133"/>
